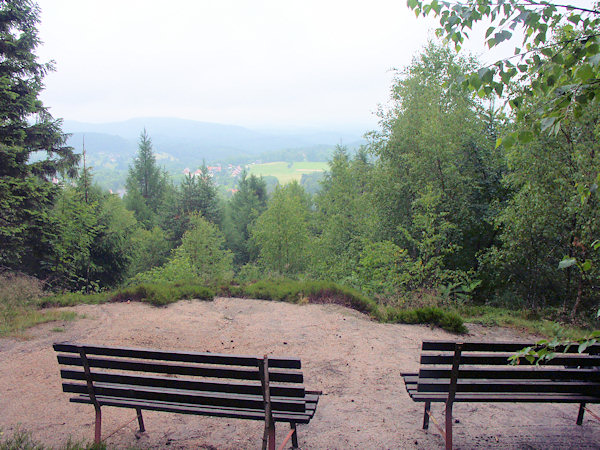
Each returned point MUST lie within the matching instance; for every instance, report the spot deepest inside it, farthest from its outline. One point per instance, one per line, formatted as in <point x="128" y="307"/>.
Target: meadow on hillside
<point x="286" y="172"/>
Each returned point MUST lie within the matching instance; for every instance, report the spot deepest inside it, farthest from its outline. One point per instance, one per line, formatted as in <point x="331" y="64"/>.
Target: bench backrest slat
<point x="513" y="347"/>
<point x="176" y="356"/>
<point x="188" y="397"/>
<point x="249" y="387"/>
<point x="514" y="386"/>
<point x="278" y="375"/>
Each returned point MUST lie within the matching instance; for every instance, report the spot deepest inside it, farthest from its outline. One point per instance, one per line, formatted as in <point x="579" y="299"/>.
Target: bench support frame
<point x="92" y="394"/>
<point x="447" y="433"/>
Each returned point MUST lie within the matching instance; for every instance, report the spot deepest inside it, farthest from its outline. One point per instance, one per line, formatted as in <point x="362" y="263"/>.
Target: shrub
<point x="163" y="294"/>
<point x="448" y="321"/>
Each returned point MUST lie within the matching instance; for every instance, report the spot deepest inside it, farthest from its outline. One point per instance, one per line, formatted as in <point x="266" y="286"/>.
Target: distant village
<point x="230" y="170"/>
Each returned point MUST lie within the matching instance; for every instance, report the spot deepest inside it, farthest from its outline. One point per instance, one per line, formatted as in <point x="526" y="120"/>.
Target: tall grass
<point x="23" y="303"/>
<point x="19" y="297"/>
<point x="23" y="440"/>
<point x="310" y="291"/>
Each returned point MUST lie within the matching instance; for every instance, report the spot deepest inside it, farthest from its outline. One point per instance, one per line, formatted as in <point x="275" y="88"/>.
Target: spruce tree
<point x="145" y="184"/>
<point x="32" y="145"/>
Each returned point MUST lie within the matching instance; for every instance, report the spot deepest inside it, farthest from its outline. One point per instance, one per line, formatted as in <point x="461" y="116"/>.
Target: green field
<point x="286" y="172"/>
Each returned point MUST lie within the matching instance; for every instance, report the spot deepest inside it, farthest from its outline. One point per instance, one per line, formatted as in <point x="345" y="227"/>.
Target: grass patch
<point x="23" y="303"/>
<point x="21" y="319"/>
<point x="287" y="172"/>
<point x="536" y="322"/>
<point x="328" y="292"/>
<point x="163" y="294"/>
<point x="433" y="315"/>
<point x="19" y="297"/>
<point x="22" y="440"/>
<point x="72" y="299"/>
<point x="157" y="294"/>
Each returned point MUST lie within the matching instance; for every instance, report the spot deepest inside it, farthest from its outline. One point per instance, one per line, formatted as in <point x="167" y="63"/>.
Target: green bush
<point x="448" y="321"/>
<point x="163" y="294"/>
<point x="312" y="292"/>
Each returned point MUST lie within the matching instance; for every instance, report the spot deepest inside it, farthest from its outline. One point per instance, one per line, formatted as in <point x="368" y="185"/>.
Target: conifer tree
<point x="26" y="128"/>
<point x="145" y="184"/>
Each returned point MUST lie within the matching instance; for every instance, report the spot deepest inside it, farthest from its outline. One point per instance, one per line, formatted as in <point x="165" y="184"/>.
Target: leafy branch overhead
<point x="556" y="64"/>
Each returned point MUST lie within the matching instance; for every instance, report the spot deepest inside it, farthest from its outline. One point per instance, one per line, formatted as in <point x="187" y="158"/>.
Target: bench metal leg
<point x="426" y="415"/>
<point x="581" y="412"/>
<point x="272" y="437"/>
<point x="98" y="426"/>
<point x="294" y="436"/>
<point x="448" y="426"/>
<point x="140" y="420"/>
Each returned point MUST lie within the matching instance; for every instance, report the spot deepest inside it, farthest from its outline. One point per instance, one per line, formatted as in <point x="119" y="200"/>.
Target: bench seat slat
<point x="190" y="397"/>
<point x="239" y="413"/>
<point x="190" y="357"/>
<point x="250" y="387"/>
<point x="277" y="375"/>
<point x="510" y="386"/>
<point x="508" y="397"/>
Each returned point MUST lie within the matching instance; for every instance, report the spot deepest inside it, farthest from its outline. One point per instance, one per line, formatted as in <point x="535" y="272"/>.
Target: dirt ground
<point x="355" y="362"/>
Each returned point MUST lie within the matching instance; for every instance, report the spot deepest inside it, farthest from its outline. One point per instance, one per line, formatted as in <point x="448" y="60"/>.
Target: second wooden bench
<point x="482" y="372"/>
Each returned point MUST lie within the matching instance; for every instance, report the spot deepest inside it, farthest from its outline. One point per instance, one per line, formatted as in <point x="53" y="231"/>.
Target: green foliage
<point x="74" y="298"/>
<point x="546" y="219"/>
<point x="93" y="246"/>
<point x="23" y="440"/>
<point x="151" y="248"/>
<point x="161" y="294"/>
<point x="113" y="248"/>
<point x="432" y="315"/>
<point x="203" y="246"/>
<point x="201" y="257"/>
<point x="345" y="216"/>
<point x="26" y="129"/>
<point x="245" y="206"/>
<point x="545" y="350"/>
<point x="197" y="194"/>
<point x="177" y="268"/>
<point x="281" y="233"/>
<point x="560" y="75"/>
<point x="77" y="230"/>
<point x="19" y="297"/>
<point x="438" y="174"/>
<point x="310" y="291"/>
<point x="250" y="273"/>
<point x="146" y="184"/>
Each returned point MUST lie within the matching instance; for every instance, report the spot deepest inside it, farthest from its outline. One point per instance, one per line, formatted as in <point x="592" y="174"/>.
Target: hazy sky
<point x="324" y="63"/>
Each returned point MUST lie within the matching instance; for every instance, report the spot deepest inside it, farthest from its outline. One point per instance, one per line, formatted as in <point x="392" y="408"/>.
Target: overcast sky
<point x="279" y="63"/>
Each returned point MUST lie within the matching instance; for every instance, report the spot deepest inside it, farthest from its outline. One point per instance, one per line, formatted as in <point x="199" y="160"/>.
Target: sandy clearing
<point x="356" y="363"/>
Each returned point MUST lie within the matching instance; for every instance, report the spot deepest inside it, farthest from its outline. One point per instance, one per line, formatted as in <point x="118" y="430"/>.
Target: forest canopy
<point x="455" y="199"/>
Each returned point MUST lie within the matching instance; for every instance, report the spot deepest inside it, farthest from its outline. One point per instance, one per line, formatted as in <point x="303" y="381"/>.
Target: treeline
<point x="430" y="208"/>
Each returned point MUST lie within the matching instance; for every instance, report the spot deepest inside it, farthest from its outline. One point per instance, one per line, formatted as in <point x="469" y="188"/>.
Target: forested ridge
<point x="479" y="186"/>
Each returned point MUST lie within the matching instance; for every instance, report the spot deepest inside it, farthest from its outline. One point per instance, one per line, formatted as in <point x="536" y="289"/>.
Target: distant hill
<point x="187" y="140"/>
<point x="180" y="143"/>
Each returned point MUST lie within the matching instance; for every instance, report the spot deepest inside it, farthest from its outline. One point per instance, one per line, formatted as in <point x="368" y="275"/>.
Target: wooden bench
<point x="266" y="389"/>
<point x="481" y="372"/>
